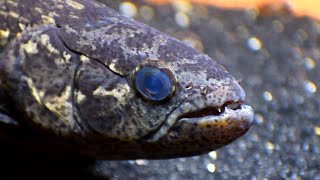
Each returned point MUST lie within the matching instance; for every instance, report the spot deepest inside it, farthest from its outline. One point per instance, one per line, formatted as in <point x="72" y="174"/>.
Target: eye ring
<point x="154" y="80"/>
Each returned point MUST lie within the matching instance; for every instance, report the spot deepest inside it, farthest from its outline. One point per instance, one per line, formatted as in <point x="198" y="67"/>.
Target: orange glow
<point x="297" y="7"/>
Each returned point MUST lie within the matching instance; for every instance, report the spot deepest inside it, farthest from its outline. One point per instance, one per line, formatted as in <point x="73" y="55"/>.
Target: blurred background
<point x="272" y="46"/>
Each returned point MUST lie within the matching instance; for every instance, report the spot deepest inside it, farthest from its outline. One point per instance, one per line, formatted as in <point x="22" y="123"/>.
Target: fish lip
<point x="244" y="113"/>
<point x="212" y="110"/>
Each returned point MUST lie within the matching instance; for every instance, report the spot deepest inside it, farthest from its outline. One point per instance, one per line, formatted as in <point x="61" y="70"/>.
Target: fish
<point x="77" y="77"/>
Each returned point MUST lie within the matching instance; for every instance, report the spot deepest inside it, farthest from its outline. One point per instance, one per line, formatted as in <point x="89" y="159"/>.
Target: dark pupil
<point x="153" y="83"/>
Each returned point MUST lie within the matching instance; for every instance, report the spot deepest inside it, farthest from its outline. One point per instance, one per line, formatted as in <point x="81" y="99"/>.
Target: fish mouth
<point x="231" y="117"/>
<point x="207" y="129"/>
<point x="232" y="111"/>
<point x="212" y="111"/>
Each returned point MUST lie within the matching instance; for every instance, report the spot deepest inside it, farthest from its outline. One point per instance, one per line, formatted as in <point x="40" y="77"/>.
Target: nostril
<point x="203" y="90"/>
<point x="189" y="85"/>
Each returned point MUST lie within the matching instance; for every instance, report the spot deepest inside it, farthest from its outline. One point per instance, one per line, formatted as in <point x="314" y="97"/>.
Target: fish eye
<point x="154" y="80"/>
<point x="153" y="83"/>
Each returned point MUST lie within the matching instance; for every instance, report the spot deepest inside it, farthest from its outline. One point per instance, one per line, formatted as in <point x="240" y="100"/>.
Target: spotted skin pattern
<point x="67" y="69"/>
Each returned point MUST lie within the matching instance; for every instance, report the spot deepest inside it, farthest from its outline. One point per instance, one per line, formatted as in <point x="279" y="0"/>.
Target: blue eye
<point x="153" y="83"/>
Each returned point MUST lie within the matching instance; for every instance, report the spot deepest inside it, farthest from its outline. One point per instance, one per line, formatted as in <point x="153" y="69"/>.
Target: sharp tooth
<point x="219" y="110"/>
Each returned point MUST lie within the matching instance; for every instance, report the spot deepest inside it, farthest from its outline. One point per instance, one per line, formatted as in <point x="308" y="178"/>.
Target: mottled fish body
<point x="106" y="86"/>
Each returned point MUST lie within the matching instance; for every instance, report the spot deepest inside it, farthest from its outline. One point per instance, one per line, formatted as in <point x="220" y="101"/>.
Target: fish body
<point x="108" y="87"/>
